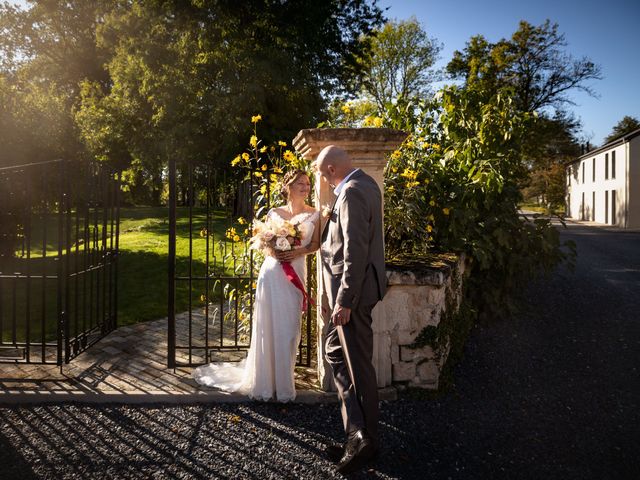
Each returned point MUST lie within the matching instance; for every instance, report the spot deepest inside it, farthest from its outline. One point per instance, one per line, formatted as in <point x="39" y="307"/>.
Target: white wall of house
<point x="633" y="167"/>
<point x="603" y="186"/>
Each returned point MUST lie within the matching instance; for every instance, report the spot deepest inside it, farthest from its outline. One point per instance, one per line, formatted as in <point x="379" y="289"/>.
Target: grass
<point x="143" y="263"/>
<point x="534" y="207"/>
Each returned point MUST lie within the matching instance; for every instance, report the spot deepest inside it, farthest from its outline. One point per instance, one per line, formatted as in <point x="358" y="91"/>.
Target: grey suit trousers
<point x="348" y="349"/>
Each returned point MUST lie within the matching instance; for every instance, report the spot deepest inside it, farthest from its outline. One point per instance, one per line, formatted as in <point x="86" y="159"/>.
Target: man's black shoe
<point x="335" y="451"/>
<point x="358" y="452"/>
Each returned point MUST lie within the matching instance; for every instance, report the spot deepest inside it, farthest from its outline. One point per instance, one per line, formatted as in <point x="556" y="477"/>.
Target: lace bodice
<point x="305" y="220"/>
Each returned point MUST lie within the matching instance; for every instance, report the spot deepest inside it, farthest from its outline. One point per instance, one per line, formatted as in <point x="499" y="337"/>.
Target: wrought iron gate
<point x="58" y="259"/>
<point x="212" y="272"/>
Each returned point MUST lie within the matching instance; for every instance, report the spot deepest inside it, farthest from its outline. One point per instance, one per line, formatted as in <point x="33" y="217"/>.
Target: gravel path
<point x="552" y="393"/>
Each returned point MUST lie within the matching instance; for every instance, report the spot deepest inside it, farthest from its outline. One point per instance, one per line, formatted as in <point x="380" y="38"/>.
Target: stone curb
<point x="36" y="398"/>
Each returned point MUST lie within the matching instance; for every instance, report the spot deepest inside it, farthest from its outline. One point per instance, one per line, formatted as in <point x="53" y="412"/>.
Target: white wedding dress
<point x="268" y="371"/>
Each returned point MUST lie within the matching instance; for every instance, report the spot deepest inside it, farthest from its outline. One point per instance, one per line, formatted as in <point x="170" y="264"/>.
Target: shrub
<point x="454" y="186"/>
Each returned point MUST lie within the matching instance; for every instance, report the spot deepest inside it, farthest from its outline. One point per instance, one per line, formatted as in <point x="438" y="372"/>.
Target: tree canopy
<point x="626" y="125"/>
<point x="532" y="63"/>
<point x="398" y="63"/>
<point x="138" y="80"/>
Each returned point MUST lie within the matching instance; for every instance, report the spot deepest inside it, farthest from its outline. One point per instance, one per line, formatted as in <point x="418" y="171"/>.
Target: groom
<point x="353" y="272"/>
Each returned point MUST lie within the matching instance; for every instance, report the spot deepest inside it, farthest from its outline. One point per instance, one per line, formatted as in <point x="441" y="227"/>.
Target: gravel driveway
<point x="552" y="393"/>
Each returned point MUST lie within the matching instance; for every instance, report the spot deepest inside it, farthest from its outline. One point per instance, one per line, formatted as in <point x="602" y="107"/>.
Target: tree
<point x="533" y="67"/>
<point x="532" y="63"/>
<point x="46" y="51"/>
<point x="626" y="125"/>
<point x="398" y="62"/>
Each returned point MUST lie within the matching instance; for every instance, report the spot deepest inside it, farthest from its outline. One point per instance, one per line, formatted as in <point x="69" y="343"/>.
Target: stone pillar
<point x="368" y="148"/>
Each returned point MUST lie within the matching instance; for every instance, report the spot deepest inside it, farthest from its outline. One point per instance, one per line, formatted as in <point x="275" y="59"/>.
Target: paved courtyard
<point x="127" y="365"/>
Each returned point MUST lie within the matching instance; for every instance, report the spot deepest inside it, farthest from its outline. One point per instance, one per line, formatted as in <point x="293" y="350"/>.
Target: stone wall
<point x="420" y="296"/>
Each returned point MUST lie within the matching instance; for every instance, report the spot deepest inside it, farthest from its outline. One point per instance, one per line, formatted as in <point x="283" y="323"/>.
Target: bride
<point x="268" y="371"/>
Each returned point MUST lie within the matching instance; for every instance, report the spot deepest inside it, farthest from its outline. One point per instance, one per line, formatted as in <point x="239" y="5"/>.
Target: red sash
<point x="293" y="277"/>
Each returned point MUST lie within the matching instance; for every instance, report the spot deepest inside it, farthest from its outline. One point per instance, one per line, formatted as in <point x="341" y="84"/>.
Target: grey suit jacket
<point x="352" y="247"/>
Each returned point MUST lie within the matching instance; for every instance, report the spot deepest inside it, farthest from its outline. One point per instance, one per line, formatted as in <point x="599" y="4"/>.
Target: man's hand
<point x="341" y="315"/>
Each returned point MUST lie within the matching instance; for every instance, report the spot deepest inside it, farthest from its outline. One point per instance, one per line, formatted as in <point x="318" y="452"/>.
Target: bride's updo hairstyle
<point x="289" y="178"/>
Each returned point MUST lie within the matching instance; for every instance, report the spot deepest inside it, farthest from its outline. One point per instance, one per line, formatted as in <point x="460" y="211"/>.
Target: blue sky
<point x="606" y="32"/>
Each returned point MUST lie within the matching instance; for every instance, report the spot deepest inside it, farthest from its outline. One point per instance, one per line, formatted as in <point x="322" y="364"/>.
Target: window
<point x="613" y="207"/>
<point x="593" y="207"/>
<point x="613" y="164"/>
<point x="594" y="170"/>
<point x="583" y="172"/>
<point x="582" y="208"/>
<point x="606" y="166"/>
<point x="606" y="206"/>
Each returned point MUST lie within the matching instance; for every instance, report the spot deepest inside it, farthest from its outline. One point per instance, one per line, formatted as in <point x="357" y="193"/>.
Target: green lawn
<point x="143" y="264"/>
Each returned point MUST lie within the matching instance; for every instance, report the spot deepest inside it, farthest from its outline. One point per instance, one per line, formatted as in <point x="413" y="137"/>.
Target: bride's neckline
<point x="275" y="210"/>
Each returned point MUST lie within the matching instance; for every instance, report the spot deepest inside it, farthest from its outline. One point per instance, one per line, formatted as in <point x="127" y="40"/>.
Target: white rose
<point x="282" y="244"/>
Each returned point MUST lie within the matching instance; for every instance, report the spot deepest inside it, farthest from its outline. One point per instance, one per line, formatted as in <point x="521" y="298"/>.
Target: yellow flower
<point x="346" y="109"/>
<point x="236" y="238"/>
<point x="396" y="155"/>
<point x="263" y="168"/>
<point x="272" y="149"/>
<point x="432" y="203"/>
<point x="256" y="118"/>
<point x="394" y="169"/>
<point x="258" y="174"/>
<point x="446" y="211"/>
<point x="368" y="121"/>
<point x="409" y="174"/>
<point x="231" y="232"/>
<point x="245" y="156"/>
<point x="426" y="181"/>
<point x="263" y="189"/>
<point x="288" y="156"/>
<point x="377" y="122"/>
<point x="281" y="143"/>
<point x="277" y="170"/>
<point x="235" y="161"/>
<point x="253" y="141"/>
<point x="203" y="232"/>
<point x="263" y="149"/>
<point x="391" y="189"/>
<point x="246" y="231"/>
<point x="429" y="228"/>
<point x="273" y="178"/>
<point x="242" y="221"/>
<point x="435" y="146"/>
<point x="412" y="184"/>
<point x="430" y="217"/>
<point x="203" y="298"/>
<point x="253" y="285"/>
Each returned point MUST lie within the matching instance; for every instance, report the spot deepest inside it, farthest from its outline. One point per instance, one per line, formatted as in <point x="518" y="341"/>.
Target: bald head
<point x="334" y="164"/>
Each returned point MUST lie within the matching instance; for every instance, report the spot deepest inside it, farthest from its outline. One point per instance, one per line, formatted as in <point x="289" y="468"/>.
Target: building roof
<point x="626" y="137"/>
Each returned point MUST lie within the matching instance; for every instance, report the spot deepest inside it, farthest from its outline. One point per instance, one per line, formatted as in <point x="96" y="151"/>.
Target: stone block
<point x="406" y="336"/>
<point x="404" y="371"/>
<point x="428" y="372"/>
<point x="415" y="354"/>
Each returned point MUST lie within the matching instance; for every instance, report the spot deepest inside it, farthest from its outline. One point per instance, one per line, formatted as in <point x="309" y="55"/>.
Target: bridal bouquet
<point x="275" y="234"/>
